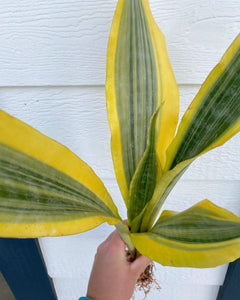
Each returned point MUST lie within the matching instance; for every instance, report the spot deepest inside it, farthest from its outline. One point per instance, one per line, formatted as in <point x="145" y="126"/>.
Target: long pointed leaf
<point x="139" y="79"/>
<point x="202" y="236"/>
<point x="164" y="186"/>
<point x="144" y="180"/>
<point x="211" y="119"/>
<point x="45" y="189"/>
<point x="214" y="115"/>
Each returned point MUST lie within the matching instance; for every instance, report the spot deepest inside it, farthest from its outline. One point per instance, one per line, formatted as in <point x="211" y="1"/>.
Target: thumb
<point x="140" y="264"/>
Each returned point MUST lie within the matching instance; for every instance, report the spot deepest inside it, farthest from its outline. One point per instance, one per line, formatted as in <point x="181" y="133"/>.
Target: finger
<point x="102" y="247"/>
<point x="111" y="236"/>
<point x="140" y="264"/>
<point x="117" y="241"/>
<point x="114" y="239"/>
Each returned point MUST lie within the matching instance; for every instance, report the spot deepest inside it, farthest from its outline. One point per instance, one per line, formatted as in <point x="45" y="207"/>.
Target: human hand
<point x="113" y="277"/>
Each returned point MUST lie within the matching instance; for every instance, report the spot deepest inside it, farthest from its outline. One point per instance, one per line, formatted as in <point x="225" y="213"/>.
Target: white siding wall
<point x="52" y="58"/>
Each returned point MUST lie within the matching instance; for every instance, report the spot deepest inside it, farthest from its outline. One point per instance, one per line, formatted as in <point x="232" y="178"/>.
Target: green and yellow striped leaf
<point x="164" y="186"/>
<point x="202" y="236"/>
<point x="139" y="80"/>
<point x="144" y="180"/>
<point x="45" y="189"/>
<point x="214" y="115"/>
<point x="211" y="120"/>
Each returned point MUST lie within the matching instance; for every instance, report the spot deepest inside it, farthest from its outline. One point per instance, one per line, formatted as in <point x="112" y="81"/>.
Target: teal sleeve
<point x="84" y="298"/>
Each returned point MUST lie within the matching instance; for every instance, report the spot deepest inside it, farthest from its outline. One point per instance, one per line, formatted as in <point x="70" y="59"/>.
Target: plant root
<point x="146" y="280"/>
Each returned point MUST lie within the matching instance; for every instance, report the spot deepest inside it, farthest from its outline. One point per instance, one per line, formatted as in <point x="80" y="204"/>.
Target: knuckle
<point x="100" y="249"/>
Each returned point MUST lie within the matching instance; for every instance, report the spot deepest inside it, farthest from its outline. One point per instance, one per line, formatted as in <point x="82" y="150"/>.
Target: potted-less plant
<point x="46" y="190"/>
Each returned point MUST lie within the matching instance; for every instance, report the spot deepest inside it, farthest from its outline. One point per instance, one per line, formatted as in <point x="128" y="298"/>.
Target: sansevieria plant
<point x="46" y="190"/>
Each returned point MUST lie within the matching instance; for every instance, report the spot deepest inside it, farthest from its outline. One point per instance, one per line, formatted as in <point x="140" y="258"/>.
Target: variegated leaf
<point x="45" y="189"/>
<point x="211" y="120"/>
<point x="202" y="236"/>
<point x="139" y="79"/>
